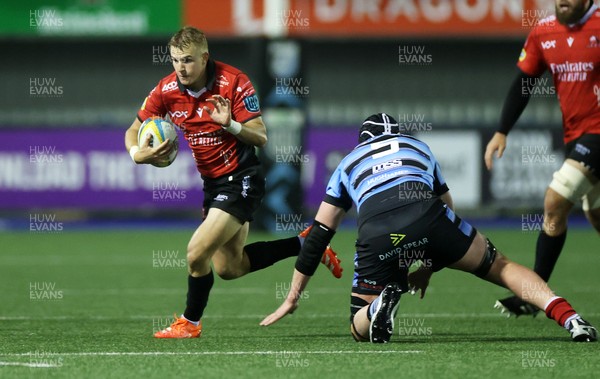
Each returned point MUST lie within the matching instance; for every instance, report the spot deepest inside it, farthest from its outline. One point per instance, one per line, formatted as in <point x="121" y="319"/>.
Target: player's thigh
<point x="232" y="252"/>
<point x="578" y="175"/>
<point x="449" y="238"/>
<point x="591" y="201"/>
<point x="473" y="258"/>
<point x="215" y="231"/>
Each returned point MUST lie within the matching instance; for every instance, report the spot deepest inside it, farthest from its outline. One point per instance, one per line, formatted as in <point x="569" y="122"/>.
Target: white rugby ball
<point x="160" y="130"/>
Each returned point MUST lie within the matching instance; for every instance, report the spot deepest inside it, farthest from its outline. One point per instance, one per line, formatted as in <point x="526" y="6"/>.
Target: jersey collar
<point x="586" y="16"/>
<point x="210" y="81"/>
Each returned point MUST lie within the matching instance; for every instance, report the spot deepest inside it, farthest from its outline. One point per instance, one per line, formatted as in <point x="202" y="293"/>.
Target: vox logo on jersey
<point x="549" y="44"/>
<point x="178" y="114"/>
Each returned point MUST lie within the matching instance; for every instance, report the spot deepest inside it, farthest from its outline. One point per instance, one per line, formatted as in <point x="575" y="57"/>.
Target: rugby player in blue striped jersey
<point x="404" y="216"/>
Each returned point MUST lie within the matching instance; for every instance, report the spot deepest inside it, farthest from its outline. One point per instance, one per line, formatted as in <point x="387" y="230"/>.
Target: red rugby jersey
<point x="215" y="151"/>
<point x="572" y="55"/>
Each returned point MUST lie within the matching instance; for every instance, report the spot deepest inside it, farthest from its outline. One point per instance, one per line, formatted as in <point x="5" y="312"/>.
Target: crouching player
<point x="403" y="203"/>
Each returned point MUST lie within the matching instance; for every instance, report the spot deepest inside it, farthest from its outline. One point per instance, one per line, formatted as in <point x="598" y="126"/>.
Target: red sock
<point x="559" y="310"/>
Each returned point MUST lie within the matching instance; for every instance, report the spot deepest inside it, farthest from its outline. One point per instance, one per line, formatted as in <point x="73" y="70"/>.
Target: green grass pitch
<point x="84" y="304"/>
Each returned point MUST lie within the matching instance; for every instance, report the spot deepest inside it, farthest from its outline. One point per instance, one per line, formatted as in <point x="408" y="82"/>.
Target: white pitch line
<point x="27" y="364"/>
<point x="254" y="316"/>
<point x="170" y="353"/>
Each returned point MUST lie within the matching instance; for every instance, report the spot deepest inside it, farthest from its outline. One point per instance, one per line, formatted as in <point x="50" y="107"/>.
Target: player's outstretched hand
<point x="496" y="145"/>
<point x="222" y="112"/>
<point x="419" y="280"/>
<point x="158" y="154"/>
<point x="288" y="307"/>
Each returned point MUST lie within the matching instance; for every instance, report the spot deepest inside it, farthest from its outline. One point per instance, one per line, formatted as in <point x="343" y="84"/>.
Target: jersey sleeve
<point x="152" y="105"/>
<point x="531" y="60"/>
<point x="439" y="183"/>
<point x="336" y="193"/>
<point x="244" y="105"/>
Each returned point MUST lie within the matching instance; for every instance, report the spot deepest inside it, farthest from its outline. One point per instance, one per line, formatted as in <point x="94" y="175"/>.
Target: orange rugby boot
<point x="180" y="328"/>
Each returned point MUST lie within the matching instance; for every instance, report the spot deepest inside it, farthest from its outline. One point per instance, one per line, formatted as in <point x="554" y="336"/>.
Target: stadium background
<point x="82" y="69"/>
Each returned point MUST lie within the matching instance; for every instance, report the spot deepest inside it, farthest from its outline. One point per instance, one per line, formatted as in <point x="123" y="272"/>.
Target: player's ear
<point x="205" y="57"/>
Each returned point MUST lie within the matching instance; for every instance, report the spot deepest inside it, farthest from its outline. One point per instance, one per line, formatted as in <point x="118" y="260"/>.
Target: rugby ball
<point x="160" y="130"/>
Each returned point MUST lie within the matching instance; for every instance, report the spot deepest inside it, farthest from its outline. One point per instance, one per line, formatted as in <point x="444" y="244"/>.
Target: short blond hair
<point x="188" y="36"/>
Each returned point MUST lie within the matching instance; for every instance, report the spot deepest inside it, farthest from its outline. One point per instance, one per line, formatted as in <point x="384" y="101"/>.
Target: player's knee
<point x="569" y="184"/>
<point x="556" y="212"/>
<point x="199" y="250"/>
<point x="196" y="258"/>
<point x="487" y="261"/>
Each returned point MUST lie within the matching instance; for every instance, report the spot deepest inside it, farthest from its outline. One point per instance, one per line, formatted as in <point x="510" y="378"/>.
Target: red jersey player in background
<point x="570" y="50"/>
<point x="217" y="108"/>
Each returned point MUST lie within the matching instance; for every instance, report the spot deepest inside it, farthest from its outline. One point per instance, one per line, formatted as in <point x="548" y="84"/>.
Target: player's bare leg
<point x="572" y="182"/>
<point x="359" y="327"/>
<point x="217" y="229"/>
<point x="591" y="205"/>
<point x="483" y="260"/>
<point x="593" y="217"/>
<point x="230" y="261"/>
<point x="374" y="322"/>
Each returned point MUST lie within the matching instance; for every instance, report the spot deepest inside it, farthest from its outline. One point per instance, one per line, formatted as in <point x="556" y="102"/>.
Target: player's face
<point x="571" y="11"/>
<point x="190" y="66"/>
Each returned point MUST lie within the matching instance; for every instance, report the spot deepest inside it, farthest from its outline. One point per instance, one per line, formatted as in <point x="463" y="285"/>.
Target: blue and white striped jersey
<point x="380" y="164"/>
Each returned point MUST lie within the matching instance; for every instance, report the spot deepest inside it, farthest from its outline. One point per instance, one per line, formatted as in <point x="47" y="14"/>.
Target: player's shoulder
<point x="595" y="18"/>
<point x="546" y="22"/>
<point x="167" y="84"/>
<point x="545" y="26"/>
<point x="222" y="68"/>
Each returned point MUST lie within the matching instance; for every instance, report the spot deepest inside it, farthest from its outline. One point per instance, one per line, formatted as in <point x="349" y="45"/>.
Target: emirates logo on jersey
<point x="571" y="71"/>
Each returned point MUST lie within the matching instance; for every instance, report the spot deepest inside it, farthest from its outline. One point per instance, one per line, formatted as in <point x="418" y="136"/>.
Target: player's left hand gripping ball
<point x="160" y="130"/>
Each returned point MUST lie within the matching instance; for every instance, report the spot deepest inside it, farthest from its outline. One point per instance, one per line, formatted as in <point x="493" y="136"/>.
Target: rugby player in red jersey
<point x="568" y="45"/>
<point x="217" y="108"/>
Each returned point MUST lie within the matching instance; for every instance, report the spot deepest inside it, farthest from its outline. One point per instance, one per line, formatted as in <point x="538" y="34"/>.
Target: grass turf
<point x="111" y="290"/>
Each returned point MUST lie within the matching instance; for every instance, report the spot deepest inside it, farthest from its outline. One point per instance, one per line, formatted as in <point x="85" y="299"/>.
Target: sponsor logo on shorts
<point x="396" y="238"/>
<point x="582" y="149"/>
<point x="221" y="197"/>
<point x="245" y="186"/>
<point x="407" y="248"/>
